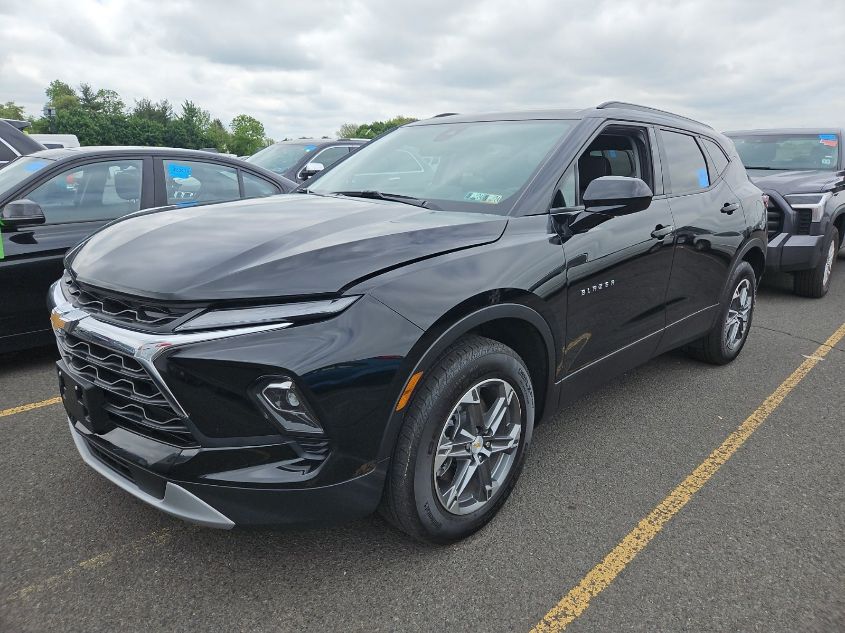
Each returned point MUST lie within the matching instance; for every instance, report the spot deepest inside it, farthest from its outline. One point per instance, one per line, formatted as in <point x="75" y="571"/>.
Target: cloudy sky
<point x="305" y="67"/>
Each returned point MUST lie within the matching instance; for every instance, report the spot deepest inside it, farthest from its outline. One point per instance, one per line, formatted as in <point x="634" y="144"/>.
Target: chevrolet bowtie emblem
<point x="57" y="321"/>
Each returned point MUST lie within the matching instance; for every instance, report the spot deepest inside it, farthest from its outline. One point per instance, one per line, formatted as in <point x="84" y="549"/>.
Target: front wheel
<point x="727" y="337"/>
<point x="815" y="282"/>
<point x="462" y="444"/>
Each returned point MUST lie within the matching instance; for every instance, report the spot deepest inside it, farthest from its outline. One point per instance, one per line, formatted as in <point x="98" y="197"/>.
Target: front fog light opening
<point x="286" y="405"/>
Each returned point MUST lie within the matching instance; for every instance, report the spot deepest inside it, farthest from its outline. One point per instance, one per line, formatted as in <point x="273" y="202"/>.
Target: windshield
<point x="788" y="151"/>
<point x="280" y="157"/>
<point x="476" y="166"/>
<point x="19" y="170"/>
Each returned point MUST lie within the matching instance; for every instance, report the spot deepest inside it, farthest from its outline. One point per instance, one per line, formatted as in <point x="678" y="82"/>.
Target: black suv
<point x="14" y="143"/>
<point x="301" y="159"/>
<point x="801" y="172"/>
<point x="390" y="336"/>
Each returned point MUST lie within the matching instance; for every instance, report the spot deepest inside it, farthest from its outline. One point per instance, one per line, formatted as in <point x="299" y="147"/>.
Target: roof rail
<point x="437" y="116"/>
<point x="635" y="106"/>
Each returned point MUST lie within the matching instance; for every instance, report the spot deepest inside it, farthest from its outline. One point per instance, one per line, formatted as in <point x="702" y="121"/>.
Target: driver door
<point x="617" y="266"/>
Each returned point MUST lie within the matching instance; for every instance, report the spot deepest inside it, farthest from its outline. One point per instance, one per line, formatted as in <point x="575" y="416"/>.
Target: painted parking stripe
<point x="574" y="603"/>
<point x="30" y="406"/>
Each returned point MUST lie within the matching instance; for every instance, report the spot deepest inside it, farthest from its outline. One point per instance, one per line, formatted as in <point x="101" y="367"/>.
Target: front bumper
<point x="221" y="463"/>
<point x="788" y="253"/>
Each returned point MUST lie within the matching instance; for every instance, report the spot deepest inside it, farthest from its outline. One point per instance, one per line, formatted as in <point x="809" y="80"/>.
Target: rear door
<point x="709" y="228"/>
<point x="187" y="181"/>
<point x="76" y="200"/>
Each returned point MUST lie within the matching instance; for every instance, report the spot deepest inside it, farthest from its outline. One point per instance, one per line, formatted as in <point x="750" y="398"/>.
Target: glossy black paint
<point x="581" y="294"/>
<point x="34" y="254"/>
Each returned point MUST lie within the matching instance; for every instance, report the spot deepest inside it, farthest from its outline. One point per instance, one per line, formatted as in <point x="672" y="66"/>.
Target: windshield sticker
<point x="703" y="179"/>
<point x="178" y="171"/>
<point x="828" y="140"/>
<point x="35" y="165"/>
<point x="486" y="198"/>
<point x="310" y="148"/>
<point x="611" y="153"/>
<point x="826" y="161"/>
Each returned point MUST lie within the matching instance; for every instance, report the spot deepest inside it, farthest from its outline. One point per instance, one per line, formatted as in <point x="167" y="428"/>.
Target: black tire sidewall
<point x="440" y="524"/>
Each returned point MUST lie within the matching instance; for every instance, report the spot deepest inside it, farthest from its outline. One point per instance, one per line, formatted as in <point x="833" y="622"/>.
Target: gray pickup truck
<point x="802" y="172"/>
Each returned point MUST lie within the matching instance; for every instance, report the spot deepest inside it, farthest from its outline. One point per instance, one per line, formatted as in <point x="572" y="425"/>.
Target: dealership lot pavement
<point x="761" y="547"/>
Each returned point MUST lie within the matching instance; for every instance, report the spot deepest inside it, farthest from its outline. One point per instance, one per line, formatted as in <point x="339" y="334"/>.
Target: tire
<point x="723" y="343"/>
<point x="422" y="479"/>
<point x="815" y="283"/>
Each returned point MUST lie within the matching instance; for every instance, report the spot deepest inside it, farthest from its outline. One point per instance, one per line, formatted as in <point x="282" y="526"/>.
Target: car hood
<point x="804" y="181"/>
<point x="282" y="246"/>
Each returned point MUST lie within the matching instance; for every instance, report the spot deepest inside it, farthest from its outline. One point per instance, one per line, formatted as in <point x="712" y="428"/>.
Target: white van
<point x="52" y="141"/>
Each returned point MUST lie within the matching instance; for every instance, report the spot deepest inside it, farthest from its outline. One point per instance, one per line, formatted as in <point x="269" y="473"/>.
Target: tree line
<point x="100" y="117"/>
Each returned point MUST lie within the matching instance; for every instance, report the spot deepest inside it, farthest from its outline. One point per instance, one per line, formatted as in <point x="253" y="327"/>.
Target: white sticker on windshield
<point x="486" y="198"/>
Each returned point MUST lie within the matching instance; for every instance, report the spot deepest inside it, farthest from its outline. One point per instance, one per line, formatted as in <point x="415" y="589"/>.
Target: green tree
<point x="61" y="96"/>
<point x="371" y="130"/>
<point x="11" y="110"/>
<point x="347" y="130"/>
<point x="160" y="111"/>
<point x="218" y="135"/>
<point x="247" y="135"/>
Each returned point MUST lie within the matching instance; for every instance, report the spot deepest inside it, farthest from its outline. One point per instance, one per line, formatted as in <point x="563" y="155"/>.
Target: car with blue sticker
<point x="302" y="159"/>
<point x="802" y="172"/>
<point x="51" y="200"/>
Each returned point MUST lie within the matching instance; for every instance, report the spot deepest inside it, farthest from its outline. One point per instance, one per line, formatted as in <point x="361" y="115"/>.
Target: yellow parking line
<point x="574" y="603"/>
<point x="159" y="537"/>
<point x="30" y="406"/>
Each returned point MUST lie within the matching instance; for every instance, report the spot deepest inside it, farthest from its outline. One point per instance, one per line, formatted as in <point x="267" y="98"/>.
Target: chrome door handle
<point x="660" y="231"/>
<point x="729" y="207"/>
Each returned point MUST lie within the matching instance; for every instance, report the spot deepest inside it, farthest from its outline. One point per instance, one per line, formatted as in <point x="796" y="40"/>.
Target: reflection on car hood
<point x="289" y="245"/>
<point x="804" y="181"/>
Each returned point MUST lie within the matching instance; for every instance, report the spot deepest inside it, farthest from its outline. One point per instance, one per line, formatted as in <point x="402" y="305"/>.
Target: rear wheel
<point x="727" y="337"/>
<point x="816" y="282"/>
<point x="463" y="442"/>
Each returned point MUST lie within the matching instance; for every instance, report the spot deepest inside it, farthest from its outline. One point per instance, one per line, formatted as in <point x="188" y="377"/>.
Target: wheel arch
<point x="513" y="323"/>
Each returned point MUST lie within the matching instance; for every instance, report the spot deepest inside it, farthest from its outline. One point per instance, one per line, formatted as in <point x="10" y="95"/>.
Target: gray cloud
<point x="306" y="68"/>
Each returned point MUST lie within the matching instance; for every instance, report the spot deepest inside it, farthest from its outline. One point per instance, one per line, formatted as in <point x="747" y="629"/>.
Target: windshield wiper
<point x="378" y="195"/>
<point x="770" y="168"/>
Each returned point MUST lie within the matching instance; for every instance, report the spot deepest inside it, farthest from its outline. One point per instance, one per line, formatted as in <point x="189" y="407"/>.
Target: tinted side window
<point x="720" y="161"/>
<point x="6" y="154"/>
<point x="97" y="191"/>
<point x="329" y="156"/>
<point x="195" y="182"/>
<point x="686" y="165"/>
<point x="255" y="187"/>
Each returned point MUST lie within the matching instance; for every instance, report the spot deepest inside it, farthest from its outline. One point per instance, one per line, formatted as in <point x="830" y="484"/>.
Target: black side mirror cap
<point x="21" y="213"/>
<point x="617" y="195"/>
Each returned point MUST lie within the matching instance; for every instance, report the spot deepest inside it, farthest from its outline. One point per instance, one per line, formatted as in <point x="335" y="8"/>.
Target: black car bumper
<point x="788" y="253"/>
<point x="176" y="422"/>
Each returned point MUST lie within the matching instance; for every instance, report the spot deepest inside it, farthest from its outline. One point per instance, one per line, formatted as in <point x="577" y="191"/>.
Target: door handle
<point x="729" y="207"/>
<point x="660" y="231"/>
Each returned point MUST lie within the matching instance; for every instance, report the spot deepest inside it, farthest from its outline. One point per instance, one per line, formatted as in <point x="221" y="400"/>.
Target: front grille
<point x="133" y="401"/>
<point x="803" y="221"/>
<point x="109" y="307"/>
<point x="775" y="219"/>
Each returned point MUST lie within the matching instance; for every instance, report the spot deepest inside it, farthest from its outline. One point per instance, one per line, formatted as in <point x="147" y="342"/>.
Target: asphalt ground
<point x="757" y="545"/>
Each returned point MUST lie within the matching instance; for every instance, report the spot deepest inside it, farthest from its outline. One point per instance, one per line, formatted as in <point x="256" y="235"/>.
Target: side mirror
<point x="617" y="195"/>
<point x="20" y="213"/>
<point x="310" y="169"/>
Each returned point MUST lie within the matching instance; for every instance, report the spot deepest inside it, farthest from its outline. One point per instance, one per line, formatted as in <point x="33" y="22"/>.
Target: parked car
<point x="300" y="160"/>
<point x="802" y="171"/>
<point x="14" y="143"/>
<point x="53" y="199"/>
<point x="390" y="335"/>
<point x="56" y="141"/>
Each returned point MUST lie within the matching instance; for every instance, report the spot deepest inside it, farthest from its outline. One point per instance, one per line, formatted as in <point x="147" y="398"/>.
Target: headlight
<point x="813" y="201"/>
<point x="285" y="313"/>
<point x="287" y="406"/>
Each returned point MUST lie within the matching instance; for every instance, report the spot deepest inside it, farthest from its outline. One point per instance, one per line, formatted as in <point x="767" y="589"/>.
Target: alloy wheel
<point x="478" y="446"/>
<point x="739" y="314"/>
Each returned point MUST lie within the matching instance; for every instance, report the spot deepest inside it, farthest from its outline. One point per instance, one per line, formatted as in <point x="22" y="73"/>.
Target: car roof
<point x="786" y="130"/>
<point x="19" y="141"/>
<point x="607" y="110"/>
